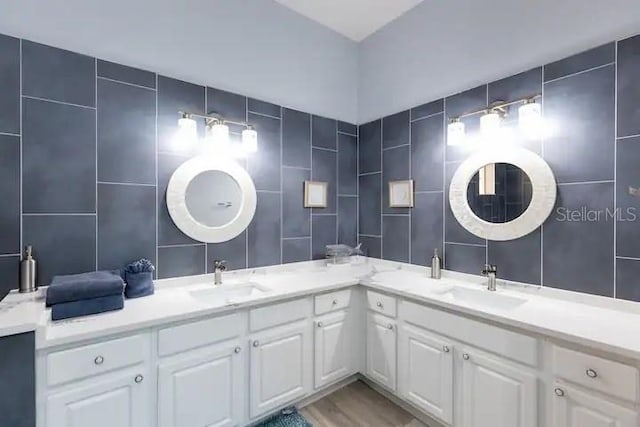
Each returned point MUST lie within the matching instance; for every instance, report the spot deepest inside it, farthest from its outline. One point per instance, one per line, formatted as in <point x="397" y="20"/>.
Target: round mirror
<point x="211" y="200"/>
<point x="502" y="194"/>
<point x="499" y="192"/>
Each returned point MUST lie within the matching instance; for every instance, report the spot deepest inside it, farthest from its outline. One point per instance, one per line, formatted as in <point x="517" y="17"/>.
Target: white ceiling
<point x="355" y="19"/>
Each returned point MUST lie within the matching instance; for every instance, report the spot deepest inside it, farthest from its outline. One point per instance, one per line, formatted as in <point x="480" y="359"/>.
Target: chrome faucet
<point x="218" y="267"/>
<point x="490" y="271"/>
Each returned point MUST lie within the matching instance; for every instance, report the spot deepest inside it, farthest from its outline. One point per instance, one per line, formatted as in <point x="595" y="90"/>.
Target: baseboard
<point x="417" y="414"/>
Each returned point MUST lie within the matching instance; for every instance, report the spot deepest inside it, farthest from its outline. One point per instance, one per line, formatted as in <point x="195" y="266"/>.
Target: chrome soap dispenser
<point x="28" y="272"/>
<point x="436" y="265"/>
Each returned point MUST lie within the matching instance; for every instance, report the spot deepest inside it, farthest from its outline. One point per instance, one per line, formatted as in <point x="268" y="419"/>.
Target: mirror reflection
<point x="213" y="198"/>
<point x="499" y="192"/>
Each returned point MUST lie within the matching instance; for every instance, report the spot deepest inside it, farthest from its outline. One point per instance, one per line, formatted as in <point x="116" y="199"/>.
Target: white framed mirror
<point x="502" y="193"/>
<point x="211" y="200"/>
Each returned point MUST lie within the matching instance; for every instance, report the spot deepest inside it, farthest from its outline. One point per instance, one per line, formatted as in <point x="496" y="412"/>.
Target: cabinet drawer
<point x="197" y="334"/>
<point x="607" y="376"/>
<point x="381" y="303"/>
<point x="95" y="359"/>
<point x="279" y="314"/>
<point x="332" y="301"/>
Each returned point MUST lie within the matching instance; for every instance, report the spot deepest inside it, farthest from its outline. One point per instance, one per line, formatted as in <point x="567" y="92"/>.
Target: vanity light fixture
<point x="187" y="132"/>
<point x="491" y="129"/>
<point x="249" y="140"/>
<point x="455" y="132"/>
<point x="217" y="134"/>
<point x="490" y="124"/>
<point x="530" y="118"/>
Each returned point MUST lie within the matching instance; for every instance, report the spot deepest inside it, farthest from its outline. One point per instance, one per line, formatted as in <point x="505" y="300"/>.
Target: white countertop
<point x="601" y="323"/>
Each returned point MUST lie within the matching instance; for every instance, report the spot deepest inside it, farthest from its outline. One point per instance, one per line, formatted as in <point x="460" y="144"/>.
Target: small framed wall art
<point x="315" y="194"/>
<point x="401" y="194"/>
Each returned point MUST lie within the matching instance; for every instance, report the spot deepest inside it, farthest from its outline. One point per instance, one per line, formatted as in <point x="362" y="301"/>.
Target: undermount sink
<point x="481" y="298"/>
<point x="229" y="293"/>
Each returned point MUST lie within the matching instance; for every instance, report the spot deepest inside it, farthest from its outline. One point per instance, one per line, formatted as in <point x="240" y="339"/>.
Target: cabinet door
<point x="202" y="389"/>
<point x="574" y="408"/>
<point x="381" y="350"/>
<point x="332" y="355"/>
<point x="497" y="394"/>
<point x="118" y="400"/>
<point x="281" y="368"/>
<point x="426" y="371"/>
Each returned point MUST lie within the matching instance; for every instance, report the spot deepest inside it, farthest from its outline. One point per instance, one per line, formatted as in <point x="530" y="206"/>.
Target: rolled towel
<point x="139" y="279"/>
<point x="77" y="287"/>
<point x="68" y="310"/>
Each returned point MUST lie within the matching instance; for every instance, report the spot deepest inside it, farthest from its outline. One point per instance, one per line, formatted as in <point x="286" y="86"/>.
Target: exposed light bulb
<point x="250" y="140"/>
<point x="530" y="120"/>
<point x="187" y="133"/>
<point x="455" y="133"/>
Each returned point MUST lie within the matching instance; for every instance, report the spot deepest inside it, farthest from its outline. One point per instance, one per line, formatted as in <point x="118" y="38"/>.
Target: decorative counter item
<point x="315" y="194"/>
<point x="139" y="279"/>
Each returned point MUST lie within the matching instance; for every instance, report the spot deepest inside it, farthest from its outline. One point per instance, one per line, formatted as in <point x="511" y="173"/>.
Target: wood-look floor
<point x="357" y="405"/>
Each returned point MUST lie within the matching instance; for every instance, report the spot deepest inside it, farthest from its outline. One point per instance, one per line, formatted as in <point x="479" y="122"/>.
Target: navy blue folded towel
<point x="139" y="279"/>
<point x="68" y="310"/>
<point x="77" y="287"/>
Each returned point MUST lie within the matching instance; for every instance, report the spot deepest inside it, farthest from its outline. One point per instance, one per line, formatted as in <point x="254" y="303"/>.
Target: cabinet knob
<point x="390" y="326"/>
<point x="334" y="302"/>
<point x="139" y="378"/>
<point x="445" y="349"/>
<point x="237" y="350"/>
<point x="466" y="356"/>
<point x="591" y="373"/>
<point x="98" y="360"/>
<point x="559" y="392"/>
<point x="320" y="325"/>
<point x="379" y="304"/>
<point x="256" y="343"/>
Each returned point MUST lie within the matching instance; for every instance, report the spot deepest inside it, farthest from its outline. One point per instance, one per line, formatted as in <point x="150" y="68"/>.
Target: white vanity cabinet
<point x="381" y="350"/>
<point x="606" y="392"/>
<point x="280" y="367"/>
<point x="202" y="388"/>
<point x="120" y="399"/>
<point x="496" y="393"/>
<point x="575" y="408"/>
<point x="101" y="384"/>
<point x="426" y="371"/>
<point x="334" y="340"/>
<point x="280" y="355"/>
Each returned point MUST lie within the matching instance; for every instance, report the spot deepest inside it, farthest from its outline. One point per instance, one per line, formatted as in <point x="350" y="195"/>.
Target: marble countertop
<point x="601" y="323"/>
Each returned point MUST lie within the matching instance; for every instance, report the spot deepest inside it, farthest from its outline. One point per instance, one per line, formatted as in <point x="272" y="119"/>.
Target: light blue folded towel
<point x="77" y="287"/>
<point x="68" y="310"/>
<point x="139" y="279"/>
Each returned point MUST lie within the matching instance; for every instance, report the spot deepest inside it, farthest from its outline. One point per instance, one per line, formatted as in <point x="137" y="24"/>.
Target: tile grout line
<point x="12" y="134"/>
<point x="444" y="180"/>
<point x="134" y="184"/>
<point x="615" y="171"/>
<point x="58" y="214"/>
<point x="411" y="121"/>
<point x="157" y="260"/>
<point x="381" y="189"/>
<point x="629" y="258"/>
<point x="10" y="255"/>
<point x="125" y="83"/>
<point x="577" y="73"/>
<point x="486" y="241"/>
<point x="542" y="144"/>
<point x="337" y="185"/>
<point x="315" y="147"/>
<point x="413" y="196"/>
<point x="475" y="245"/>
<point x="258" y="113"/>
<point x="281" y="186"/>
<point x="397" y="146"/>
<point x="311" y="174"/>
<point x="21" y="168"/>
<point x="206" y="110"/>
<point x="624" y="138"/>
<point x="561" y="184"/>
<point x="53" y="101"/>
<point x="182" y="245"/>
<point x="95" y="64"/>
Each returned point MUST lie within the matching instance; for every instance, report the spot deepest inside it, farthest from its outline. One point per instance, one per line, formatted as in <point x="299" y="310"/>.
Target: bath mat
<point x="287" y="418"/>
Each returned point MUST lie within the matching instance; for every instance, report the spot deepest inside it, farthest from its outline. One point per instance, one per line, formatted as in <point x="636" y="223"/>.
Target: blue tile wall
<point x="593" y="149"/>
<point x="87" y="149"/>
